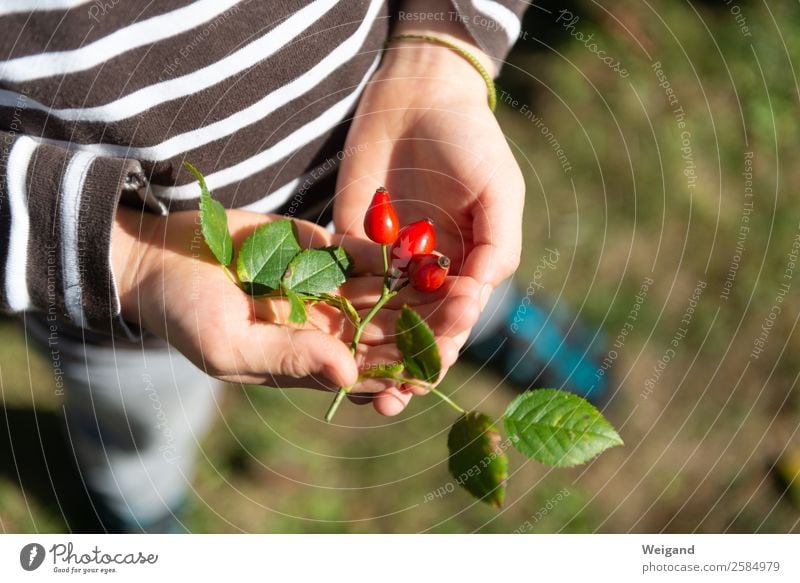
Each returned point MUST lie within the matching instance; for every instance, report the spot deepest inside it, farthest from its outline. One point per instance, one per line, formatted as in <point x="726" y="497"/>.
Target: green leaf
<point x="317" y="271"/>
<point x="478" y="461"/>
<point x="260" y="291"/>
<point x="343" y="304"/>
<point x="386" y="370"/>
<point x="213" y="221"/>
<point x="418" y="346"/>
<point x="558" y="428"/>
<point x="266" y="253"/>
<point x="297" y="308"/>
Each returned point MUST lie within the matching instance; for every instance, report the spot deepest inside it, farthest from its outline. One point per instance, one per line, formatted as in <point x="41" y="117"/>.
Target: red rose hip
<point x="416" y="238"/>
<point x="380" y="222"/>
<point x="427" y="272"/>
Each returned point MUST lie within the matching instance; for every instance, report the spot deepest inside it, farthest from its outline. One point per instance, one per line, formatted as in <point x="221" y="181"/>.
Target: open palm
<point x="186" y="298"/>
<point x="439" y="151"/>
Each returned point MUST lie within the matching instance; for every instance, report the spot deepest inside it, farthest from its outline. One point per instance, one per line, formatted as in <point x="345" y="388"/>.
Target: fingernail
<point x="486" y="291"/>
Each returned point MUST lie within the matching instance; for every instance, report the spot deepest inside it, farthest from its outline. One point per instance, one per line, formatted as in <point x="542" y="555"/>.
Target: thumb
<point x="287" y="357"/>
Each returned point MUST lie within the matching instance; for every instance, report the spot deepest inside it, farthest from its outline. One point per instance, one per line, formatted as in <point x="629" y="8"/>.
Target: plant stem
<point x="231" y="276"/>
<point x="386" y="295"/>
<point x="385" y="251"/>
<point x="336" y="402"/>
<point x="447" y="400"/>
<point x="424" y="385"/>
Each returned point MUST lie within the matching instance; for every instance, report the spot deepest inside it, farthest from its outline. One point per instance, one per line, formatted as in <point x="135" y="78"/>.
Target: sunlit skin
<point x="176" y="289"/>
<point x="426" y="134"/>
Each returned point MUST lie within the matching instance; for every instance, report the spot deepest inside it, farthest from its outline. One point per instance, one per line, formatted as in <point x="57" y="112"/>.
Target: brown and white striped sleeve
<point x="494" y="24"/>
<point x="98" y="98"/>
<point x="57" y="208"/>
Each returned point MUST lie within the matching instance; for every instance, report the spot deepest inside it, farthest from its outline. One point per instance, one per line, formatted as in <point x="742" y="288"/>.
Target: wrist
<point x="435" y="18"/>
<point x="133" y="248"/>
<point x="435" y="57"/>
<point x="436" y="69"/>
<point x="491" y="91"/>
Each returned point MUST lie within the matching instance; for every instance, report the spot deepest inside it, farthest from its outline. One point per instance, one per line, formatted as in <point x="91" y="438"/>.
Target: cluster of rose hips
<point x="412" y="248"/>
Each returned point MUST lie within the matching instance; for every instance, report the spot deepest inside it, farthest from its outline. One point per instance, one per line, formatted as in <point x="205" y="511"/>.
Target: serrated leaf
<point x="343" y="304"/>
<point x="266" y="253"/>
<point x="558" y="428"/>
<point x="417" y="344"/>
<point x="385" y="370"/>
<point x="297" y="308"/>
<point x="213" y="221"/>
<point x="477" y="460"/>
<point x="317" y="271"/>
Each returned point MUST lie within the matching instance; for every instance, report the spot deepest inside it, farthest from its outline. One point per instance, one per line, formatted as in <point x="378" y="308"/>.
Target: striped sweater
<point x="101" y="101"/>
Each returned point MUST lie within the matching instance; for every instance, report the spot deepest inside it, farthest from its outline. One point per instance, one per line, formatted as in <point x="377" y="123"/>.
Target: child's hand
<point x="423" y="130"/>
<point x="171" y="285"/>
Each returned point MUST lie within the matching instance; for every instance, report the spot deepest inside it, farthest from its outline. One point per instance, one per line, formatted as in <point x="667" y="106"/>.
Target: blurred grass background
<point x="700" y="449"/>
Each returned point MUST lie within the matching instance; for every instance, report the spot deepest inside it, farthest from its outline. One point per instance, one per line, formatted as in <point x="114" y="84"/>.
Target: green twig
<point x="386" y="295"/>
<point x="447" y="400"/>
<point x="384" y="249"/>
<point x="231" y="276"/>
<point x="438" y="393"/>
<point x="336" y="402"/>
